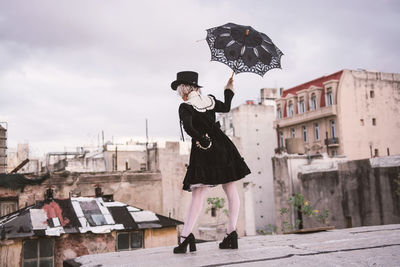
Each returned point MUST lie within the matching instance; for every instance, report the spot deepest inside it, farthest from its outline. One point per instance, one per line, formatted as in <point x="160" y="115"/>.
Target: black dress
<point x="219" y="164"/>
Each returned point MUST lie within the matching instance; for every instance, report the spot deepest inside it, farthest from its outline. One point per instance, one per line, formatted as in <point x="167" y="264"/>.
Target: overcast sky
<point x="70" y="69"/>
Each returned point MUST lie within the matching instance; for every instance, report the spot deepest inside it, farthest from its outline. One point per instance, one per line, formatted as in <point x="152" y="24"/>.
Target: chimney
<point x="98" y="191"/>
<point x="49" y="195"/>
<point x="268" y="96"/>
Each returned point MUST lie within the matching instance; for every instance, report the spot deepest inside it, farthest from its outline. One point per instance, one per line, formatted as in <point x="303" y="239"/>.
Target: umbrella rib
<point x="230" y="43"/>
<point x="242" y="50"/>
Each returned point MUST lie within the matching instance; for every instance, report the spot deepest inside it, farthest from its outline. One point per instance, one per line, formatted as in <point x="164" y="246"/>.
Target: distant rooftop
<point x="78" y="215"/>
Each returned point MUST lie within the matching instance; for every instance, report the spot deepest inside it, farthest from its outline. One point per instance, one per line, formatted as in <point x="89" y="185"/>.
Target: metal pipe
<point x="22" y="164"/>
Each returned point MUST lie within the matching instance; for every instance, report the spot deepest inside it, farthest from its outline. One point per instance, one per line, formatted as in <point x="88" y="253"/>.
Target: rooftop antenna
<point x="147" y="133"/>
<point x="147" y="145"/>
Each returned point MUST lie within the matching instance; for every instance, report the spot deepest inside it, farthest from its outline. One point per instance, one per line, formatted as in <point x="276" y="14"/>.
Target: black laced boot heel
<point x="230" y="241"/>
<point x="182" y="247"/>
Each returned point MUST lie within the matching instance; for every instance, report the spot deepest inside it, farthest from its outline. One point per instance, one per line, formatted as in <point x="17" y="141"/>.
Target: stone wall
<point x="356" y="193"/>
<point x="75" y="245"/>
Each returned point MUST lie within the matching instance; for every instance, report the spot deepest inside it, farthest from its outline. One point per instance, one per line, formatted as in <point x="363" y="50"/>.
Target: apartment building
<point x="350" y="112"/>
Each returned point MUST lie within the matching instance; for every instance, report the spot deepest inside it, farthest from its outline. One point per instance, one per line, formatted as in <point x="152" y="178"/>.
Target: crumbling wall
<point x="142" y="190"/>
<point x="75" y="245"/>
<point x="282" y="187"/>
<point x="11" y="253"/>
<point x="356" y="194"/>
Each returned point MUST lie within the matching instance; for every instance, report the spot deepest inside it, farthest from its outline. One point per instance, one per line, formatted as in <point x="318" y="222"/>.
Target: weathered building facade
<point x="158" y="189"/>
<point x="355" y="192"/>
<point x="21" y="159"/>
<point x="252" y="124"/>
<point x="351" y="112"/>
<point x="54" y="230"/>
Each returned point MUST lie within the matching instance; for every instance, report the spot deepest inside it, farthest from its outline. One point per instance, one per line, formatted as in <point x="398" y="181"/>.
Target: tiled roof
<point x="78" y="215"/>
<point x="316" y="82"/>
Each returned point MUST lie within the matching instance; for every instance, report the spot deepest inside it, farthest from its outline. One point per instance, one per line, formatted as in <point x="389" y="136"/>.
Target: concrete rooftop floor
<point x="361" y="246"/>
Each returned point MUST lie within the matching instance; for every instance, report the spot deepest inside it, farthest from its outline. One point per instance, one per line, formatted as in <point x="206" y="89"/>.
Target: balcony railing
<point x="332" y="142"/>
<point x="307" y="116"/>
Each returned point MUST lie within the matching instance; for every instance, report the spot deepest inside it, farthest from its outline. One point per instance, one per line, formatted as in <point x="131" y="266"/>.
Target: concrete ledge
<point x="362" y="246"/>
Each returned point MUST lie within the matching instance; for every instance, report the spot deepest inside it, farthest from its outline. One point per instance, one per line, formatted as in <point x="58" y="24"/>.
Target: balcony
<point x="332" y="142"/>
<point x="307" y="116"/>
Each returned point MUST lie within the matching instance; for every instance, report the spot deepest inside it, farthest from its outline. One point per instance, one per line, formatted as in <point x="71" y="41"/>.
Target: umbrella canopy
<point x="243" y="49"/>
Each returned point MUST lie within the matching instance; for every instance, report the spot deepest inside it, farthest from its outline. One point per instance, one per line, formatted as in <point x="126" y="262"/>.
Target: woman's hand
<point x="204" y="142"/>
<point x="229" y="85"/>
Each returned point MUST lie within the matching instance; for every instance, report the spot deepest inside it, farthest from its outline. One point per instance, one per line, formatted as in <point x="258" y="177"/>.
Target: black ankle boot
<point x="230" y="241"/>
<point x="182" y="247"/>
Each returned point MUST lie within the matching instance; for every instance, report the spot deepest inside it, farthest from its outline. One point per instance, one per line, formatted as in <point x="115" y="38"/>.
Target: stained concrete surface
<point x="361" y="246"/>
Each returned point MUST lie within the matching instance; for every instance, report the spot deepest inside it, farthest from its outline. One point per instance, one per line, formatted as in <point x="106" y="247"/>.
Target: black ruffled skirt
<point x="220" y="164"/>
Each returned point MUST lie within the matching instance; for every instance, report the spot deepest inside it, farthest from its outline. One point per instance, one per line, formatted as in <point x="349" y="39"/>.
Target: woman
<point x="214" y="159"/>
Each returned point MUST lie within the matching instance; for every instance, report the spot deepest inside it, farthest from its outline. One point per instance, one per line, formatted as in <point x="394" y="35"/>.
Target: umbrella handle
<point x="233" y="73"/>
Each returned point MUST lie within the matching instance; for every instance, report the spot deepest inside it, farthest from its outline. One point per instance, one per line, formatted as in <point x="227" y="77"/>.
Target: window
<point x="278" y="113"/>
<point x="371" y="94"/>
<point x="8" y="205"/>
<point x="316" y="128"/>
<point x="313" y="102"/>
<point x="374" y="121"/>
<point x="376" y="152"/>
<point x="129" y="241"/>
<point x="304" y="134"/>
<point x="38" y="252"/>
<point x="362" y="122"/>
<point x="290" y="110"/>
<point x="329" y="98"/>
<point x="293" y="133"/>
<point x="281" y="139"/>
<point x="92" y="213"/>
<point x="302" y="107"/>
<point x="333" y="129"/>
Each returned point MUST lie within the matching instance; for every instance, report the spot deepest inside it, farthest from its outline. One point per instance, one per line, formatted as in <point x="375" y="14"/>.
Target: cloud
<point x="70" y="69"/>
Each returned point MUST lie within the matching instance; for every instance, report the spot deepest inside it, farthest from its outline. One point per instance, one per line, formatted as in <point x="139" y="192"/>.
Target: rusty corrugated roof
<point x="78" y="215"/>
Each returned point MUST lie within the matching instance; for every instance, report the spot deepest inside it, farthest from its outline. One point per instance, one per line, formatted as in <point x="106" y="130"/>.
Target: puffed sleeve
<point x="226" y="105"/>
<point x="187" y="120"/>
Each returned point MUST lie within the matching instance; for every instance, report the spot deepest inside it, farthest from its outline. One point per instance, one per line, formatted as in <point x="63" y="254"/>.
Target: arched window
<point x="302" y="106"/>
<point x="290" y="110"/>
<point x="316" y="128"/>
<point x="329" y="97"/>
<point x="313" y="102"/>
<point x="278" y="112"/>
<point x="333" y="129"/>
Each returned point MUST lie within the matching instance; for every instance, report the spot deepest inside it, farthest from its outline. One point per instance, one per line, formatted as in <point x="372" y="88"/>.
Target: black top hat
<point x="185" y="77"/>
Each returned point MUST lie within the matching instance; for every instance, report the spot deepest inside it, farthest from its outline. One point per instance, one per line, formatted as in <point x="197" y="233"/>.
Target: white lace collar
<point x="199" y="102"/>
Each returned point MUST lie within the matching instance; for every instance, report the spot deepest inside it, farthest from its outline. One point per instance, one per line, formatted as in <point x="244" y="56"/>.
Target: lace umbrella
<point x="243" y="49"/>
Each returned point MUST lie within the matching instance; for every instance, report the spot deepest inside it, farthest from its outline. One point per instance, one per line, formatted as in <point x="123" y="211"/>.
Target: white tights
<point x="196" y="205"/>
<point x="234" y="205"/>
